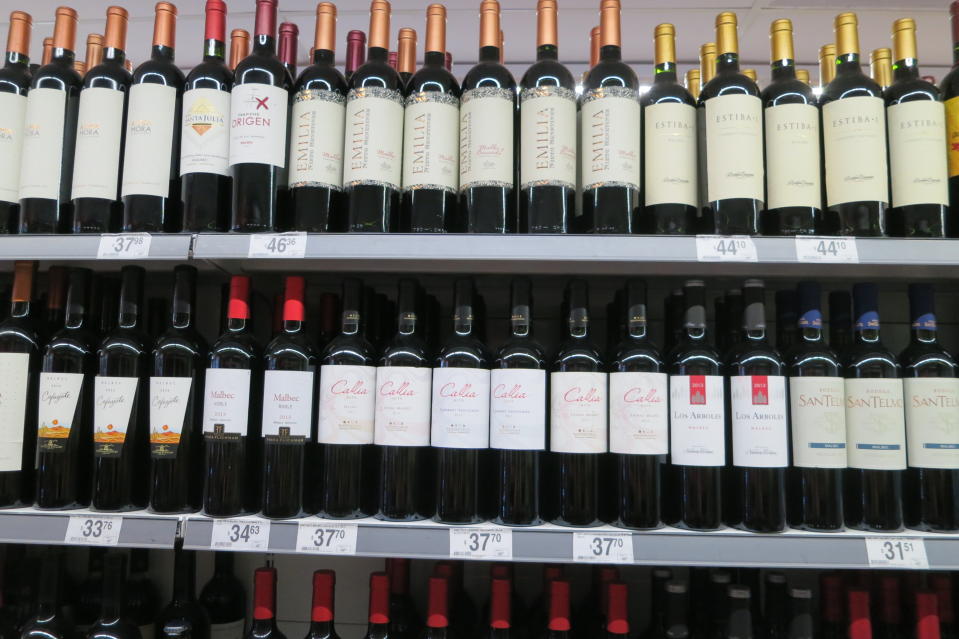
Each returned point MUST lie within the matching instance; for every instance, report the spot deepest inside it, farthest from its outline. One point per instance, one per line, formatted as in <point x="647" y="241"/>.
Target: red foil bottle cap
<point x="551" y="572"/>
<point x="293" y="309"/>
<point x="499" y="610"/>
<point x="860" y="625"/>
<point x="215" y="20"/>
<point x="927" y="616"/>
<point x="891" y="608"/>
<point x="617" y="622"/>
<point x="942" y="584"/>
<point x="559" y="605"/>
<point x="444" y="569"/>
<point x="239" y="307"/>
<point x="831" y="598"/>
<point x="265" y="23"/>
<point x="379" y="598"/>
<point x="323" y="585"/>
<point x="398" y="569"/>
<point x="954" y="8"/>
<point x="500" y="571"/>
<point x="264" y="593"/>
<point x="436" y="616"/>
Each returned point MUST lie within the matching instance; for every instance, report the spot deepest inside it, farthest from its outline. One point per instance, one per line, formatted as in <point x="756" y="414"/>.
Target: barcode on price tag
<point x="827" y="250"/>
<point x="326" y="538"/>
<point x="96" y="530"/>
<point x="896" y="552"/>
<point x="277" y="245"/>
<point x="240" y="534"/>
<point x="719" y="248"/>
<point x="607" y="547"/>
<point x="123" y="246"/>
<point x="481" y="543"/>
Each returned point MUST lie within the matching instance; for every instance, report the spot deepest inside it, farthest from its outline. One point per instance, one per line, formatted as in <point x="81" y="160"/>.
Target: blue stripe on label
<point x="878" y="446"/>
<point x="942" y="446"/>
<point x="826" y="445"/>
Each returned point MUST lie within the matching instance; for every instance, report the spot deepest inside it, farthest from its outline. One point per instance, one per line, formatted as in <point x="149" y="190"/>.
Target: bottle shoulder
<point x="911" y="90"/>
<point x="630" y="356"/>
<point x="728" y="83"/>
<point x="108" y="76"/>
<point x="850" y="85"/>
<point x="548" y="73"/>
<point x="870" y="360"/>
<point x="176" y="340"/>
<point x="488" y="75"/>
<point x="235" y="345"/>
<point x="258" y="68"/>
<point x="376" y="74"/>
<point x="430" y="79"/>
<point x="813" y="355"/>
<point x="57" y="75"/>
<point x="321" y="77"/>
<point x="17" y="335"/>
<point x="787" y="91"/>
<point x="610" y="73"/>
<point x="921" y="359"/>
<point x="124" y="342"/>
<point x="667" y="93"/>
<point x="348" y="350"/>
<point x="15" y="79"/>
<point x="462" y="352"/>
<point x="754" y="354"/>
<point x="949" y="85"/>
<point x="210" y="75"/>
<point x="520" y="353"/>
<point x="578" y="355"/>
<point x="161" y="72"/>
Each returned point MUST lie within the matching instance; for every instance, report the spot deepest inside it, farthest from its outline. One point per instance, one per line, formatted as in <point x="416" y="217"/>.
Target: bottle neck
<point x="848" y="63"/>
<point x="237" y="324"/>
<point x="378" y="54"/>
<point x="223" y="564"/>
<point x="322" y="629"/>
<point x="578" y="323"/>
<point x="925" y="335"/>
<point x="435" y="59"/>
<point x="264" y="44"/>
<point x="905" y="69"/>
<point x="184" y="299"/>
<point x="15" y="59"/>
<point x="867" y="335"/>
<point x="382" y="631"/>
<point x="727" y="63"/>
<point x="463" y="321"/>
<point x="665" y="72"/>
<point x="184" y="576"/>
<point x="114" y="56"/>
<point x="810" y="334"/>
<point x="214" y="50"/>
<point x="65" y="56"/>
<point x="324" y="57"/>
<point x="547" y="52"/>
<point x="20" y="309"/>
<point x="784" y="69"/>
<point x="162" y="53"/>
<point x="611" y="53"/>
<point x="489" y="54"/>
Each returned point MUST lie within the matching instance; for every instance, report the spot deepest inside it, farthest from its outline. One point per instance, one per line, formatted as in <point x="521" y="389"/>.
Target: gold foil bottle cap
<point x="490" y="35"/>
<point x="47" y="51"/>
<point x="781" y="39"/>
<point x="609" y="27"/>
<point x="664" y="44"/>
<point x="325" y="36"/>
<point x="847" y="34"/>
<point x="693" y="82"/>
<point x="594" y="46"/>
<point x="436" y="28"/>
<point x="727" y="40"/>
<point x="904" y="39"/>
<point x="546" y="32"/>
<point x="164" y="26"/>
<point x="802" y="75"/>
<point x="406" y="51"/>
<point x="707" y="62"/>
<point x="880" y="67"/>
<point x="94" y="50"/>
<point x="379" y="34"/>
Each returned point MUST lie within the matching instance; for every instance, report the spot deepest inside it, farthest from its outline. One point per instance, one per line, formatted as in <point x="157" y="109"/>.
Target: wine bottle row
<point x="258" y="148"/>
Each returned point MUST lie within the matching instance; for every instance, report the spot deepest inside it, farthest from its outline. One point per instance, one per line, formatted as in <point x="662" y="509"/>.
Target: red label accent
<point x="760" y="390"/>
<point x="697" y="390"/>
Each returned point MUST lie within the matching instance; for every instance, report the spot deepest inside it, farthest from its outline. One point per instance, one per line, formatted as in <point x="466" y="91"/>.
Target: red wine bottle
<point x="499" y="609"/>
<point x="558" y="625"/>
<point x="927" y="616"/>
<point x="231" y="414"/>
<point x="15" y="82"/>
<point x="355" y="52"/>
<point x="321" y="612"/>
<point x="462" y="614"/>
<point x="831" y="606"/>
<point x="49" y="620"/>
<point x="437" y="610"/>
<point x="224" y="599"/>
<point x="183" y="616"/>
<point x="112" y="622"/>
<point x="264" y="606"/>
<point x="287" y="47"/>
<point x="859" y="622"/>
<point x="405" y="621"/>
<point x="379" y="617"/>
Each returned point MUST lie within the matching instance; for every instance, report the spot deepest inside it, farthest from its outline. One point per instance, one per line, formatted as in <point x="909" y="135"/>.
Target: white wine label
<point x="932" y="421"/>
<point x="258" y="124"/>
<point x="403" y="406"/>
<point x="875" y="424"/>
<point x="226" y="403"/>
<point x="487" y="125"/>
<point x="431" y="141"/>
<point x="818" y="411"/>
<point x="547" y="129"/>
<point x="42" y="159"/>
<point x="917" y="153"/>
<point x="373" y="142"/>
<point x="205" y="135"/>
<point x="14" y="376"/>
<point x="760" y="423"/>
<point x="697" y="418"/>
<point x="639" y="413"/>
<point x="792" y="156"/>
<point x="169" y="397"/>
<point x="671" y="152"/>
<point x="854" y="145"/>
<point x="316" y="139"/>
<point x="517" y="419"/>
<point x="347" y="404"/>
<point x="13" y="110"/>
<point x="460" y="408"/>
<point x="113" y="401"/>
<point x="59" y="397"/>
<point x="577" y="412"/>
<point x="151" y="122"/>
<point x="287" y="406"/>
<point x="610" y="138"/>
<point x="229" y="630"/>
<point x="96" y="163"/>
<point x="734" y="148"/>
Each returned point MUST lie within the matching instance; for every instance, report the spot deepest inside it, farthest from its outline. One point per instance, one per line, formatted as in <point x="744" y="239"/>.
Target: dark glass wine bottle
<point x="500" y="617"/>
<point x="264" y="605"/>
<point x="577" y="419"/>
<point x="739" y="622"/>
<point x="321" y="612"/>
<point x="547" y="131"/>
<point x="438" y="609"/>
<point x="775" y="613"/>
<point x="141" y="599"/>
<point x="289" y="417"/>
<point x="224" y="599"/>
<point x="404" y="58"/>
<point x="931" y="391"/>
<point x="379" y="616"/>
<point x="183" y="617"/>
<point x="675" y="613"/>
<point x="55" y="303"/>
<point x="889" y="608"/>
<point x="49" y="620"/>
<point x="875" y="425"/>
<point x="927" y="624"/>
<point x="942" y="585"/>
<point x="402" y="416"/>
<point x="15" y="79"/>
<point x="287" y="49"/>
<point x="231" y="412"/>
<point x="65" y="405"/>
<point x="858" y="618"/>
<point x="112" y="622"/>
<point x="949" y="88"/>
<point x="557" y="619"/>
<point x="801" y="623"/>
<point x="787" y="318"/>
<point x="617" y="610"/>
<point x="355" y="52"/>
<point x="405" y="621"/>
<point x="840" y="321"/>
<point x="831" y="606"/>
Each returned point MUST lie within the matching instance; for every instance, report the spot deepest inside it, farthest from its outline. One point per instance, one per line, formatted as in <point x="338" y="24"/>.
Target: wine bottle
<point x="321" y="612"/>
<point x="500" y="619"/>
<point x="65" y="405"/>
<point x="289" y="426"/>
<point x="239" y="47"/>
<point x="787" y="318"/>
<point x="402" y="416"/>
<point x="793" y="186"/>
<point x="204" y="136"/>
<point x="231" y="415"/>
<point x="557" y="620"/>
<point x="355" y="52"/>
<point x="675" y="613"/>
<point x="19" y="376"/>
<point x="801" y="622"/>
<point x="874" y="423"/>
<point x="692" y="83"/>
<point x="54" y="303"/>
<point x="775" y="613"/>
<point x="106" y="303"/>
<point x="854" y="142"/>
<point x="50" y="124"/>
<point x="318" y="123"/>
<point x="460" y="413"/>
<point x="183" y="616"/>
<point x="827" y="64"/>
<point x="758" y="425"/>
<point x="404" y="58"/>
<point x="880" y="67"/>
<point x="669" y="144"/>
<point x="927" y="616"/>
<point x="94" y="51"/>
<point x="889" y="608"/>
<point x="547" y="130"/>
<point x="488" y="135"/>
<point x="287" y="48"/>
<point x="379" y="617"/>
<point x="918" y="167"/>
<point x="48" y="621"/>
<point x="739" y="623"/>
<point x="818" y="420"/>
<point x="610" y="146"/>
<point x="617" y="615"/>
<point x="151" y="175"/>
<point x="696" y="421"/>
<point x="705" y="222"/>
<point x="733" y="139"/>
<point x="859" y="621"/>
<point x="578" y="428"/>
<point x="140" y="601"/>
<point x="15" y="80"/>
<point x="438" y="609"/>
<point x="950" y="90"/>
<point x="405" y="622"/>
<point x="112" y="622"/>
<point x="931" y="388"/>
<point x="101" y="134"/>
<point x="224" y="599"/>
<point x="831" y="606"/>
<point x="264" y="605"/>
<point x="373" y="142"/>
<point x="91" y="591"/>
<point x="431" y="139"/>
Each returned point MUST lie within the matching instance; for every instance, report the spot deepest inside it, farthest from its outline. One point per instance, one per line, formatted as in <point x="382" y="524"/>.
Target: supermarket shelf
<point x="59" y="248"/>
<point x="139" y="529"/>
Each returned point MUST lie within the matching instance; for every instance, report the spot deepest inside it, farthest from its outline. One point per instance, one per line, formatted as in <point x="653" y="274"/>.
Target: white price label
<point x="277" y="245"/>
<point x="326" y="538"/>
<point x="240" y="534"/>
<point x="481" y="543"/>
<point x="605" y="548"/>
<point x="827" y="249"/>
<point x="722" y="248"/>
<point x="897" y="552"/>
<point x="123" y="246"/>
<point x="95" y="530"/>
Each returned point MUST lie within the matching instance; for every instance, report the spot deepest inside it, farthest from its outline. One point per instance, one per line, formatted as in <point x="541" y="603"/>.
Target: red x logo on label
<point x="262" y="103"/>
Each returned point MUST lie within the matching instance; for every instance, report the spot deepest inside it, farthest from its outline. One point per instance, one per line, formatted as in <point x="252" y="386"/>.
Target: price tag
<point x="277" y="245"/>
<point x="240" y="534"/>
<point x="481" y="543"/>
<point x="607" y="547"/>
<point x="896" y="552"/>
<point x="720" y="248"/>
<point x="123" y="246"/>
<point x="96" y="530"/>
<point x="827" y="250"/>
<point x="325" y="538"/>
